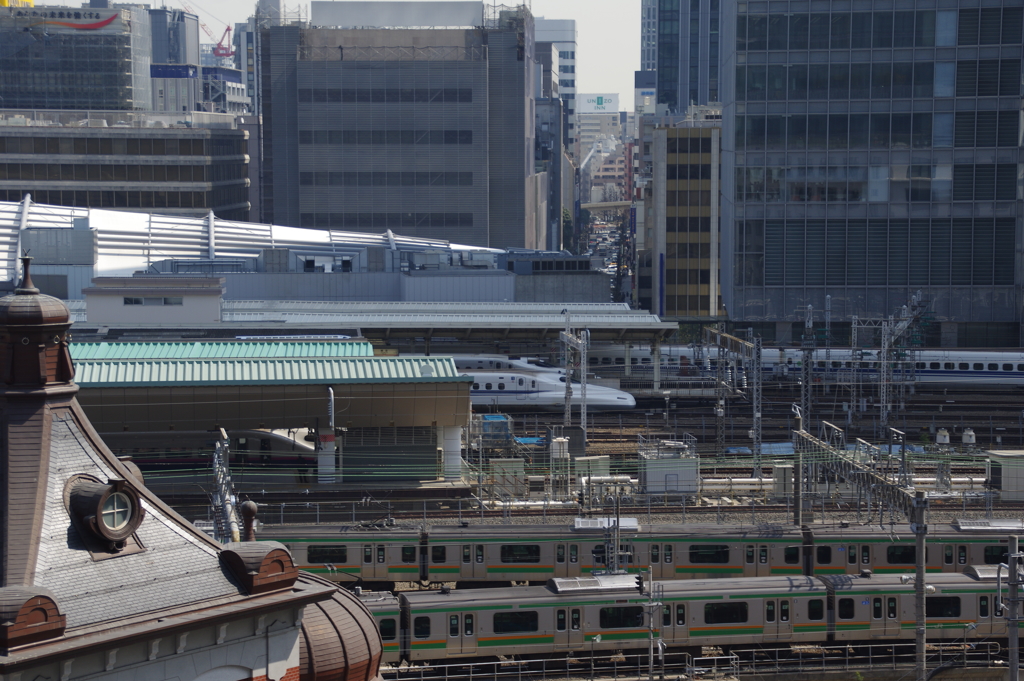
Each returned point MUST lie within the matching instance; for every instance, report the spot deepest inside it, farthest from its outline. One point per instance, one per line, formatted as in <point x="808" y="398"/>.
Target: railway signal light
<point x="640" y="583"/>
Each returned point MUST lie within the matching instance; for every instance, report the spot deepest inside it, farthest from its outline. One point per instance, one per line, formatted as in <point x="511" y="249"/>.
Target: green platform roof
<point x="316" y="371"/>
<point x="227" y="349"/>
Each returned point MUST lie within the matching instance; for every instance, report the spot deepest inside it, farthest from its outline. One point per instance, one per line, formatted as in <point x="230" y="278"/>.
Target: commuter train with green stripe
<point x="567" y="615"/>
<point x="496" y="555"/>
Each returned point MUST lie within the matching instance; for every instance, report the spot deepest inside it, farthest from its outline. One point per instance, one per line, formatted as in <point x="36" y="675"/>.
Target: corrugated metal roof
<point x="201" y="372"/>
<point x="219" y="350"/>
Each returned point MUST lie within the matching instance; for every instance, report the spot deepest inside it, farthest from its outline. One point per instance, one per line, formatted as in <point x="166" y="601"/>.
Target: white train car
<point x="540" y="391"/>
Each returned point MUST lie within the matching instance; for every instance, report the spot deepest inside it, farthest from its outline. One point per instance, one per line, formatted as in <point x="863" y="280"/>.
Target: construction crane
<point x="220" y="49"/>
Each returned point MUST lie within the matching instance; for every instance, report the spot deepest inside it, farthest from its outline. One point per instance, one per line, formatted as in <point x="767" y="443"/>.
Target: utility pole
<point x="919" y="527"/>
<point x="798" y="468"/>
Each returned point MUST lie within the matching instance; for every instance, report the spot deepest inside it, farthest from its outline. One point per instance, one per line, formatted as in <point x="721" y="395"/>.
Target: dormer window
<point x="105" y="514"/>
<point x="117" y="511"/>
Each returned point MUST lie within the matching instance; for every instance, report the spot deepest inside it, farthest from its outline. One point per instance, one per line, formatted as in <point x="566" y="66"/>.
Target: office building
<point x="376" y="124"/>
<point x="868" y="155"/>
<point x="175" y="36"/>
<point x="140" y="164"/>
<point x="75" y="58"/>
<point x="224" y="91"/>
<point x="561" y="33"/>
<point x="648" y="35"/>
<point x="176" y="87"/>
<point x="688" y="53"/>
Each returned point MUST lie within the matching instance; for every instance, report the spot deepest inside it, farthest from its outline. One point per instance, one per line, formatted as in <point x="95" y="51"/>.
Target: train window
<point x="948" y="366"/>
<point x="668" y="553"/>
<point x="846" y="608"/>
<point x="983" y="606"/>
<point x="865" y="555"/>
<point x="479" y="553"/>
<point x="468" y="630"/>
<point x="919" y="365"/>
<point x="593" y="360"/>
<point x="994" y="555"/>
<point x="408" y="554"/>
<point x="824" y="555"/>
<point x="750" y="554"/>
<point x="993" y="367"/>
<point x="666" y="615"/>
<point x="606" y="360"/>
<point x="655" y="553"/>
<point x="388" y="630"/>
<point x="791" y="555"/>
<point x="961" y="555"/>
<point x="762" y="555"/>
<point x="783" y="611"/>
<point x="520" y="553"/>
<point x="900" y="555"/>
<point x="515" y="622"/>
<point x="421" y="627"/>
<point x="453" y="625"/>
<point x="821" y="364"/>
<point x="560" y="620"/>
<point x="680" y="615"/>
<point x="850" y="364"/>
<point x="769" y="611"/>
<point x="501" y="386"/>
<point x="645" y="360"/>
<point x="709" y="553"/>
<point x="522" y="382"/>
<point x="725" y="613"/>
<point x="465" y="553"/>
<point x="574" y="620"/>
<point x="836" y="365"/>
<point x="327" y="554"/>
<point x="1020" y="367"/>
<point x="942" y="606"/>
<point x="851" y="555"/>
<point x="560" y="553"/>
<point x="963" y="366"/>
<point x="890" y="607"/>
<point x="487" y="386"/>
<point x="978" y="366"/>
<point x="368" y="553"/>
<point x="876" y="609"/>
<point x="574" y="553"/>
<point x="933" y="365"/>
<point x="815" y="609"/>
<point x="380" y="554"/>
<point x="438" y="554"/>
<point x="621" y="617"/>
<point x="620" y="360"/>
<point x="476" y="386"/>
<point x="1007" y="367"/>
<point x="533" y="384"/>
<point x="947" y="554"/>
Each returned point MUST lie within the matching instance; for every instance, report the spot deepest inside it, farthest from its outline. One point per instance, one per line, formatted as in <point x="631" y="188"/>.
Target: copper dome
<point x="28" y="307"/>
<point x="339" y="640"/>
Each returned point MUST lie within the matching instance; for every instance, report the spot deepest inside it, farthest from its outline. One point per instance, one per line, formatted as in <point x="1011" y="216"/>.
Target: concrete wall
<point x="110" y="309"/>
<point x="578" y="287"/>
<point x="462" y="288"/>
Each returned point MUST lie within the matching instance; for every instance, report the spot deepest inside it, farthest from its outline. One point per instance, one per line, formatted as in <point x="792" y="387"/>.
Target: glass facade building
<point x="870" y="152"/>
<point x="688" y="53"/>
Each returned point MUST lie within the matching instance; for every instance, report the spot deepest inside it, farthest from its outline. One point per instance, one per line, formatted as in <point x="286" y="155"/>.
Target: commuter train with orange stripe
<point x="604" y="613"/>
<point x="500" y="555"/>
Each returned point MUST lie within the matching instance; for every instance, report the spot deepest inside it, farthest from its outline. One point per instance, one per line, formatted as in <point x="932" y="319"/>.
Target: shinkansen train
<point x="540" y="391"/>
<point x="499" y="555"/>
<point x="606" y="613"/>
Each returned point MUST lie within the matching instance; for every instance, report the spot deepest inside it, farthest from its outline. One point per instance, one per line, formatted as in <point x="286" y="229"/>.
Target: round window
<point x="117" y="511"/>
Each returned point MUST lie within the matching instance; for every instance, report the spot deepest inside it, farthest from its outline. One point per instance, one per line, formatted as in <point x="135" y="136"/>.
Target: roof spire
<point x="26" y="288"/>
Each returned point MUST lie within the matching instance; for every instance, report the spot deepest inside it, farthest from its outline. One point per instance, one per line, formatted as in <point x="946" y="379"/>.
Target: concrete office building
<point x="75" y="58"/>
<point x="376" y="124"/>
<point x="648" y="35"/>
<point x="871" y="154"/>
<point x="561" y="33"/>
<point x="688" y="53"/>
<point x="175" y="36"/>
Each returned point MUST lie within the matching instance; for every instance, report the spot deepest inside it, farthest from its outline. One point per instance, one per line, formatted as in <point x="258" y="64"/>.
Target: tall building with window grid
<point x="869" y="153"/>
<point x="562" y="34"/>
<point x="688" y="53"/>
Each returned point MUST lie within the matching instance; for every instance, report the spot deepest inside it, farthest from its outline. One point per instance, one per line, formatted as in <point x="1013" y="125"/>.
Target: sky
<point x="609" y="35"/>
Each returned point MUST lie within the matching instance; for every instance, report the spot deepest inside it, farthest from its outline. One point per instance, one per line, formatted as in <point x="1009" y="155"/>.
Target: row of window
<point x="797" y="132"/>
<point x="122" y="145"/>
<point x="879" y="80"/>
<point x="154" y="301"/>
<point x="567" y="68"/>
<point x="501" y="386"/>
<point x="369" y="179"/>
<point x="632" y="616"/>
<point x="982" y="182"/>
<point x="698" y="554"/>
<point x="128" y="199"/>
<point x="354" y="95"/>
<point x="691" y="171"/>
<point x="862" y="30"/>
<point x="68" y="172"/>
<point x="919" y="252"/>
<point x="689" y="145"/>
<point x="435" y="137"/>
<point x="386" y="220"/>
<point x="557" y="265"/>
<point x="687" y="224"/>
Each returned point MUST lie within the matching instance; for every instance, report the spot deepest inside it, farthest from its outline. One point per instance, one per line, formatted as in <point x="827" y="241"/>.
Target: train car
<point x="540" y="391"/>
<point x="386" y="611"/>
<point x="492" y="554"/>
<point x="606" y="613"/>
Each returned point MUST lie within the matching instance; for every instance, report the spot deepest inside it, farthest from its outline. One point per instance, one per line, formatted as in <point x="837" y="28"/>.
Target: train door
<point x="569" y="628"/>
<point x="567" y="560"/>
<point x="462" y="633"/>
<point x="375" y="561"/>
<point x="661" y="559"/>
<point x="885" y="616"/>
<point x="674" y="627"/>
<point x="473" y="562"/>
<point x="756" y="560"/>
<point x="954" y="557"/>
<point x="526" y="388"/>
<point x="778" y="619"/>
